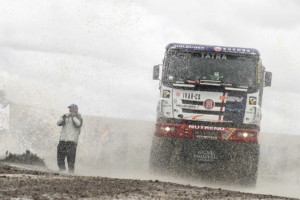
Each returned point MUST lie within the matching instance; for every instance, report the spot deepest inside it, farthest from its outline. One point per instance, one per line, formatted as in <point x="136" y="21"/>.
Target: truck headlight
<point x="168" y="128"/>
<point x="245" y="134"/>
<point x="171" y="128"/>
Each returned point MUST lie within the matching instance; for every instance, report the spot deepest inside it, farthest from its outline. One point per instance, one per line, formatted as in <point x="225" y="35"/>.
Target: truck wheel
<point x="248" y="169"/>
<point x="161" y="150"/>
<point x="249" y="173"/>
<point x="244" y="164"/>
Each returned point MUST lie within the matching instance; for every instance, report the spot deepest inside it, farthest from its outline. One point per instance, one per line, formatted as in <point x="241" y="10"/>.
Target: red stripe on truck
<point x="221" y="109"/>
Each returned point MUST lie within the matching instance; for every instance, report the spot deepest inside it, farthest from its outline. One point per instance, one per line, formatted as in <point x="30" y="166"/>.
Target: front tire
<point x="160" y="155"/>
<point x="244" y="160"/>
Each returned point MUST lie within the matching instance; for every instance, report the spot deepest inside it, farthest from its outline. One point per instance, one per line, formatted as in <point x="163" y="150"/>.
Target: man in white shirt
<point x="71" y="124"/>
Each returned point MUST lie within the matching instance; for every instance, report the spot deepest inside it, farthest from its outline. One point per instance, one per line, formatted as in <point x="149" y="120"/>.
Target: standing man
<point x="71" y="124"/>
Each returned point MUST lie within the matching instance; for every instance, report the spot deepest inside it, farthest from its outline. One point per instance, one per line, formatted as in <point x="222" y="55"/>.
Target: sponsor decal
<point x="177" y="94"/>
<point x="228" y="133"/>
<point x="218" y="49"/>
<point x="236" y="50"/>
<point x="209" y="104"/>
<point x="235" y="99"/>
<point x="235" y="109"/>
<point x="193" y="96"/>
<point x="192" y="117"/>
<point x="187" y="106"/>
<point x="166" y="94"/>
<point x="214" y="48"/>
<point x="222" y="98"/>
<point x="211" y="128"/>
<point x="213" y="56"/>
<point x="187" y="46"/>
<point x="207" y="137"/>
<point x="164" y="102"/>
<point x="252" y="100"/>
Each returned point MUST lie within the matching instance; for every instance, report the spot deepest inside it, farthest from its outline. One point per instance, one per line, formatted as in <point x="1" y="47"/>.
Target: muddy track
<point x="16" y="182"/>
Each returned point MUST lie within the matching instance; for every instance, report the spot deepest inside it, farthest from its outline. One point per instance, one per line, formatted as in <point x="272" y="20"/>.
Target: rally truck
<point x="209" y="112"/>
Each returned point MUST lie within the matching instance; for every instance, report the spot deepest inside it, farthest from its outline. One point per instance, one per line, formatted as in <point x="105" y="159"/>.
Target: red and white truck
<point x="209" y="111"/>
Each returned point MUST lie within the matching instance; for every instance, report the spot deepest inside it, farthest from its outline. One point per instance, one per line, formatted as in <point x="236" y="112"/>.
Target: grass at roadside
<point x="27" y="158"/>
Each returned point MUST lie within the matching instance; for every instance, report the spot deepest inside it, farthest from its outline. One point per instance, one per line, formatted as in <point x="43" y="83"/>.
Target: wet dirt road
<point x="21" y="183"/>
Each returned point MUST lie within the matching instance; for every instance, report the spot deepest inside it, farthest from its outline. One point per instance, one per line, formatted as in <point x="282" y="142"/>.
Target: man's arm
<point x="77" y="120"/>
<point x="61" y="121"/>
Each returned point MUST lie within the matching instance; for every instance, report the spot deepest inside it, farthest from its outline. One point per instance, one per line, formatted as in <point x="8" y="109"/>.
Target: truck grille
<point x="208" y="112"/>
<point x="200" y="103"/>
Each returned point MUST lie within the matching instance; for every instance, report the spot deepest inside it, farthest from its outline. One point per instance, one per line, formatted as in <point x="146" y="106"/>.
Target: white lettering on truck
<point x="214" y="56"/>
<point x="211" y="128"/>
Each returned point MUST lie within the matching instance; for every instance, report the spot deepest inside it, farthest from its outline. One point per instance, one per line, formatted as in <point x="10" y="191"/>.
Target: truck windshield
<point x="234" y="70"/>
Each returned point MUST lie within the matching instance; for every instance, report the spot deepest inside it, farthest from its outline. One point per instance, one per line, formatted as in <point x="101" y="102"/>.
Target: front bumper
<point x="199" y="132"/>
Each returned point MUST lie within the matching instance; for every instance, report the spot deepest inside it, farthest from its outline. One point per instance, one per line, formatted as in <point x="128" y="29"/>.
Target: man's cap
<point x="73" y="106"/>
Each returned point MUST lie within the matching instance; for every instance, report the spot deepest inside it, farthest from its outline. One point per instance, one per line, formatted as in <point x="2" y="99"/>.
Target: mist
<point x="99" y="55"/>
<point x="95" y="59"/>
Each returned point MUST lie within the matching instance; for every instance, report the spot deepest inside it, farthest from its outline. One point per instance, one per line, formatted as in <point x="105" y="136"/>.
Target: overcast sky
<point x="99" y="53"/>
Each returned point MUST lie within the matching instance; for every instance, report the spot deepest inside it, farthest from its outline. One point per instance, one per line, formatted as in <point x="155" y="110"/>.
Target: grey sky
<point x="99" y="53"/>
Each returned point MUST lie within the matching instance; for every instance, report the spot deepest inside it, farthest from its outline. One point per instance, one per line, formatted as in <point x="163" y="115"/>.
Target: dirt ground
<point x="22" y="183"/>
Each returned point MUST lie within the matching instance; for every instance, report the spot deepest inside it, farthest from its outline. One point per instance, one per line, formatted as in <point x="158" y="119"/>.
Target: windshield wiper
<point x="183" y="85"/>
<point x="220" y="83"/>
<point x="194" y="82"/>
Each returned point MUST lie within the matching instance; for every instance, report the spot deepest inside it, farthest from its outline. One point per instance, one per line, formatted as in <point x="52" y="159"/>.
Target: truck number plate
<point x="205" y="155"/>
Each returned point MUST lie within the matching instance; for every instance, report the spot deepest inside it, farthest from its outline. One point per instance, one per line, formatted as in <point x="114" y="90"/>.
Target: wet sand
<point x="24" y="183"/>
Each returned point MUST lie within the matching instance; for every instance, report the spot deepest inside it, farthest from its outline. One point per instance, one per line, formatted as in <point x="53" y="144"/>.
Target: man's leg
<point x="61" y="155"/>
<point x="71" y="157"/>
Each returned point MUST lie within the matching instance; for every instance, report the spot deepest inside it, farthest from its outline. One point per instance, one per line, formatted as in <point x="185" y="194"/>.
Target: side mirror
<point x="156" y="72"/>
<point x="268" y="79"/>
